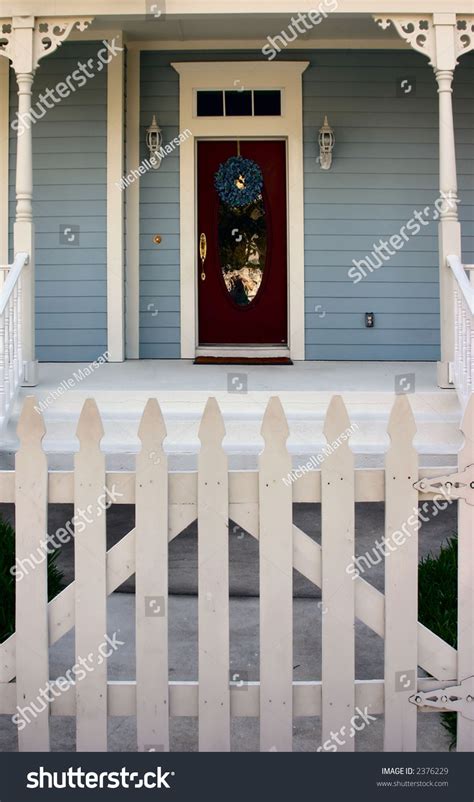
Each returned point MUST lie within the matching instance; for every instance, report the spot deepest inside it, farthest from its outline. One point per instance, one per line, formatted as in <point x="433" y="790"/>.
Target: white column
<point x="449" y="229"/>
<point x="115" y="206"/>
<point x="23" y="229"/>
<point x="133" y="207"/>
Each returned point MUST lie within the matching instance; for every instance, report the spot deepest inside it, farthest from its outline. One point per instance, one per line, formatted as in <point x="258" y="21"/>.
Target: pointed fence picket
<point x="401" y="581"/>
<point x="32" y="662"/>
<point x="90" y="588"/>
<point x="276" y="584"/>
<point x="465" y="728"/>
<point x="260" y="502"/>
<point x="338" y="604"/>
<point x="213" y="583"/>
<point x="151" y="583"/>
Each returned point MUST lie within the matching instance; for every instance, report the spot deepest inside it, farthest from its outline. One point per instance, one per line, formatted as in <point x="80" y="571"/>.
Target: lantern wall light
<point x="326" y="140"/>
<point x="154" y="141"/>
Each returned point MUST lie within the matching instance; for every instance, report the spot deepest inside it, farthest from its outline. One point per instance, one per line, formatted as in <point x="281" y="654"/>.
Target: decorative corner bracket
<point x="47" y="34"/>
<point x="51" y="33"/>
<point x="417" y="31"/>
<point x="457" y="698"/>
<point x="452" y="486"/>
<point x="464" y="34"/>
<point x="420" y="33"/>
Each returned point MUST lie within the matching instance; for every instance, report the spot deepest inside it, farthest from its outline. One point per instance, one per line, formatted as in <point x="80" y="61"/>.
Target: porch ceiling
<point x="233" y="28"/>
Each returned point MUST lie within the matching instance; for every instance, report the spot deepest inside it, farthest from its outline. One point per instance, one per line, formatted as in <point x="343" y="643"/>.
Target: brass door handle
<point x="203" y="254"/>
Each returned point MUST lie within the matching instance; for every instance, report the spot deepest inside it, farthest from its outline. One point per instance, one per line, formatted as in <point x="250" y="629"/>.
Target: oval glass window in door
<point x="242" y="238"/>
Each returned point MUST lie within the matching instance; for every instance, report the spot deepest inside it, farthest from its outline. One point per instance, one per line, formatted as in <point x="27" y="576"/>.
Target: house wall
<point x="69" y="164"/>
<point x="385" y="167"/>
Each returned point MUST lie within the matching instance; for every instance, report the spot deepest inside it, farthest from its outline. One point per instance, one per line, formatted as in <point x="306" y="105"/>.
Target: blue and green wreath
<point x="238" y="181"/>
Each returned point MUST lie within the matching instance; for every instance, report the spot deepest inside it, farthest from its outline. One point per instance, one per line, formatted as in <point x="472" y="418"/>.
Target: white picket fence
<point x="260" y="503"/>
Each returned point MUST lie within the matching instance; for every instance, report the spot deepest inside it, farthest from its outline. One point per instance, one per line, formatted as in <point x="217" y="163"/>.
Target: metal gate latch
<point x="459" y="698"/>
<point x="454" y="485"/>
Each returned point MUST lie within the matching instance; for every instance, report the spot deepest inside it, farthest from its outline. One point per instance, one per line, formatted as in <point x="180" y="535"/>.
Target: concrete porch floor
<point x="122" y="389"/>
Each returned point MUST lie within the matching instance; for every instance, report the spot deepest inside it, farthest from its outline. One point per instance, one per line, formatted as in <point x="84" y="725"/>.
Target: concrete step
<point x="437" y="416"/>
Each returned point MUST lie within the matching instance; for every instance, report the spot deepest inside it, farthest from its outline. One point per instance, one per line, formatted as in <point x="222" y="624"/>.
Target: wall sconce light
<point x="154" y="141"/>
<point x="326" y="141"/>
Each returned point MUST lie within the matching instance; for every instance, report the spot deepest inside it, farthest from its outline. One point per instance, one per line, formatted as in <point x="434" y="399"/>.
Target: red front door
<point x="242" y="252"/>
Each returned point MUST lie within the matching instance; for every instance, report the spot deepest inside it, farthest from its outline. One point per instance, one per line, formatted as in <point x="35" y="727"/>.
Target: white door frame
<point x="289" y="126"/>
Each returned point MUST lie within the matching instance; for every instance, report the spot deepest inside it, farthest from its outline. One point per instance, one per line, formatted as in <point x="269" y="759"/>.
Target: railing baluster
<point x="6" y="372"/>
<point x="15" y="335"/>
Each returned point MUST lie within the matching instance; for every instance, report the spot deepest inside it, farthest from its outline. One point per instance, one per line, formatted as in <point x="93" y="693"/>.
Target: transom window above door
<point x="238" y="102"/>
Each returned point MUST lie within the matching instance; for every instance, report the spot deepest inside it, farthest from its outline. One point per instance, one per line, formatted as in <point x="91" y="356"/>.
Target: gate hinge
<point x="459" y="698"/>
<point x="454" y="485"/>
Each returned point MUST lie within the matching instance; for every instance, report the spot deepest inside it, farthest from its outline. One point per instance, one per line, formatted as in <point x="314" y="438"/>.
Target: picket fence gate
<point x="261" y="504"/>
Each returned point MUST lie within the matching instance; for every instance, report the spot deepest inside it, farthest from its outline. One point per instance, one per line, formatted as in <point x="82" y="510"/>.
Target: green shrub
<point x="7" y="581"/>
<point x="438" y="603"/>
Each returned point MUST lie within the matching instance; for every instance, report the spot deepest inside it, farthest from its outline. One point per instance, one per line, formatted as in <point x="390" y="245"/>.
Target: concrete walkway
<point x="244" y="661"/>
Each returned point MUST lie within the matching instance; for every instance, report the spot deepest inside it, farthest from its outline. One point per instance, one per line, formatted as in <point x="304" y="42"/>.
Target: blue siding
<point x="385" y="167"/>
<point x="69" y="159"/>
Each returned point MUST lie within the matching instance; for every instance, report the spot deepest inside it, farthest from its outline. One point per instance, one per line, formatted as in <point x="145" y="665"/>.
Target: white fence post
<point x="31" y="522"/>
<point x="338" y="587"/>
<point x="90" y="590"/>
<point x="151" y="583"/>
<point x="276" y="584"/>
<point x="213" y="580"/>
<point x="465" y="731"/>
<point x="401" y="581"/>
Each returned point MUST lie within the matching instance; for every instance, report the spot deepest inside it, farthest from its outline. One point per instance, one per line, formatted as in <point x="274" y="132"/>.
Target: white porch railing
<point x="463" y="365"/>
<point x="11" y="363"/>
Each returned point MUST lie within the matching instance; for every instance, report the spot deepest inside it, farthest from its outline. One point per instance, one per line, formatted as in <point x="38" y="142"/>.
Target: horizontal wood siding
<point x="69" y="165"/>
<point x="159" y="212"/>
<point x="385" y="168"/>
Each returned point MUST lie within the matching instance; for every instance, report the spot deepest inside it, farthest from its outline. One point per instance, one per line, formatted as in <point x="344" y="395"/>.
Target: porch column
<point x="23" y="228"/>
<point x="449" y="228"/>
<point x="25" y="40"/>
<point x="20" y="47"/>
<point x="442" y="38"/>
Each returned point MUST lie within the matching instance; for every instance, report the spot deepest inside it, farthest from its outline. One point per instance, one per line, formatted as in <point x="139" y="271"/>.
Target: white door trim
<point x="286" y="76"/>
